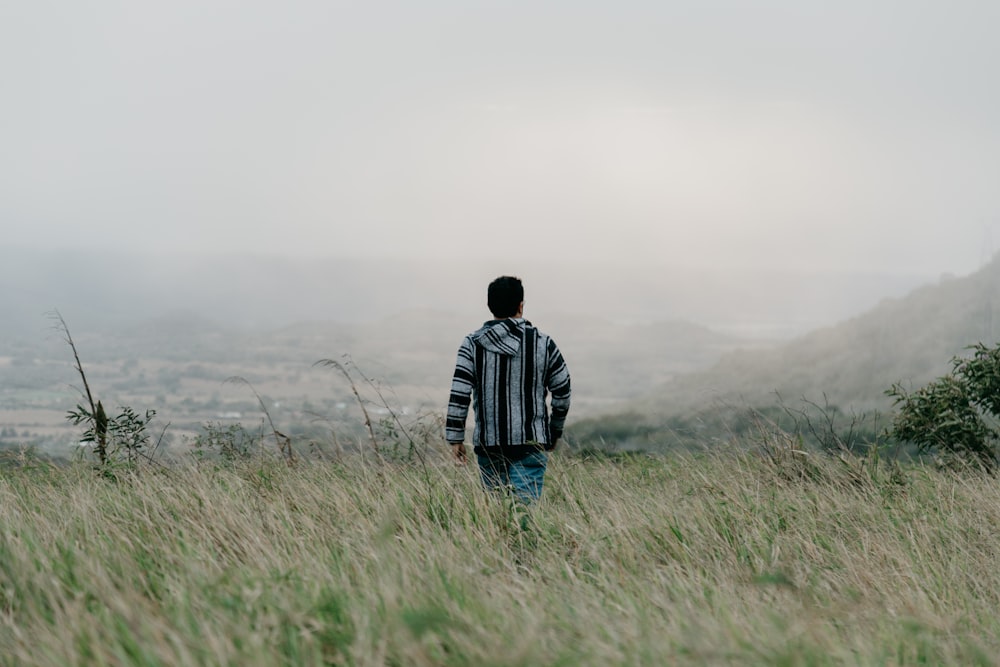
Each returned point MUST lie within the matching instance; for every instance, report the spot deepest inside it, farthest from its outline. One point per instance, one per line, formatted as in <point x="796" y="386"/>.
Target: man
<point x="506" y="369"/>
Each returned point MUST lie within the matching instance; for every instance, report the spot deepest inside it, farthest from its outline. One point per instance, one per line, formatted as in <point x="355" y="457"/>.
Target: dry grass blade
<point x="333" y="363"/>
<point x="282" y="441"/>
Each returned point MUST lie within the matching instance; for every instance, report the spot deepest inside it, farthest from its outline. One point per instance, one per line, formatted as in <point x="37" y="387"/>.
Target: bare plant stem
<point x="395" y="417"/>
<point x="97" y="415"/>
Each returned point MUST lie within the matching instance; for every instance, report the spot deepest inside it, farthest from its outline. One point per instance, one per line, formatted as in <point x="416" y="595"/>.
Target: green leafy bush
<point x="121" y="438"/>
<point x="956" y="414"/>
<point x="230" y="442"/>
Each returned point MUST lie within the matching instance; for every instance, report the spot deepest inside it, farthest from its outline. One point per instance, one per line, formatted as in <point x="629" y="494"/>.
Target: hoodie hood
<point x="501" y="336"/>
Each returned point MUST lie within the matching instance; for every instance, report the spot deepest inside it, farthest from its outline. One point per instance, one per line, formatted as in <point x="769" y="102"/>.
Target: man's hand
<point x="458" y="449"/>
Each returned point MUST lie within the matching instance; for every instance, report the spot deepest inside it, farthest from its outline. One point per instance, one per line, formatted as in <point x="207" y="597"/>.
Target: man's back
<point x="507" y="368"/>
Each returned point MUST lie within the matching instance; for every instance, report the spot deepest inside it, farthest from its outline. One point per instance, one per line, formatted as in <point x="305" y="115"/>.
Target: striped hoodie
<point x="507" y="368"/>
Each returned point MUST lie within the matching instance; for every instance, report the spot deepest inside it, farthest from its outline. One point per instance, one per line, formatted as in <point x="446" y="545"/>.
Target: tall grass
<point x="686" y="559"/>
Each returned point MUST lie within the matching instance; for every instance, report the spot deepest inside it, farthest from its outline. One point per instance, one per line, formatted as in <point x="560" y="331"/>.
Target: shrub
<point x="230" y="442"/>
<point x="121" y="438"/>
<point x="957" y="413"/>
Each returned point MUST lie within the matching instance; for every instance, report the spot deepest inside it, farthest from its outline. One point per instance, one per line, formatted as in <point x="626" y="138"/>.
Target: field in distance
<point x="178" y="365"/>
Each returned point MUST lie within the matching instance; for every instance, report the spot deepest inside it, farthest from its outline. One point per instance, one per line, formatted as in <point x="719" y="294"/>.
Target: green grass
<point x="686" y="559"/>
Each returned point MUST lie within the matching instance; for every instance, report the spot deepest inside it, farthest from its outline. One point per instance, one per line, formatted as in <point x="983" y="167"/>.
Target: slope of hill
<point x="848" y="366"/>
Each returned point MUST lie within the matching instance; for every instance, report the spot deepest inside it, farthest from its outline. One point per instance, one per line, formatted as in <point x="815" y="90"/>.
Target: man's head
<point x="505" y="296"/>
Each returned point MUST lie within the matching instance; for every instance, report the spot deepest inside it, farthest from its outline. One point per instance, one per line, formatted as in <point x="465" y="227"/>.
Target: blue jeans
<point x="524" y="477"/>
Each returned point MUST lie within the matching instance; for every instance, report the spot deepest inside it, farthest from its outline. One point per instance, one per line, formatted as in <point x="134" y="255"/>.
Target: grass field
<point x="721" y="558"/>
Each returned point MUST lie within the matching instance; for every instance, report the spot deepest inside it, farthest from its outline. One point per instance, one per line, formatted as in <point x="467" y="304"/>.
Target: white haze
<point x="849" y="136"/>
<point x="205" y="188"/>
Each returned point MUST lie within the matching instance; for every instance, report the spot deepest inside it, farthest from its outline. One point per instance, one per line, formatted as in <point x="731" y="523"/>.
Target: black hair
<point x="504" y="296"/>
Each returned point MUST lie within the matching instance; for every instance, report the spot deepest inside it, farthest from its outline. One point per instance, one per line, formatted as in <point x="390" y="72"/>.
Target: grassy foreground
<point x="686" y="559"/>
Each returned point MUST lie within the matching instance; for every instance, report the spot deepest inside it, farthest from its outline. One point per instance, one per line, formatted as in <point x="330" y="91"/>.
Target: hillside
<point x="847" y="366"/>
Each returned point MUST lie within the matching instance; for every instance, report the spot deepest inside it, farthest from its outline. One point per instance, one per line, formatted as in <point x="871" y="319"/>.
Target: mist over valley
<point x="166" y="331"/>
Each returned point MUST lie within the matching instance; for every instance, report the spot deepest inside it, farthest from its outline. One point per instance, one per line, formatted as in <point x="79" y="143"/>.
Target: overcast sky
<point x="849" y="135"/>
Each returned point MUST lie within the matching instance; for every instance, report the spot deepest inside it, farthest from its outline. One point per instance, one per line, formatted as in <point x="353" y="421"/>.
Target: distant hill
<point x="847" y="366"/>
<point x="112" y="291"/>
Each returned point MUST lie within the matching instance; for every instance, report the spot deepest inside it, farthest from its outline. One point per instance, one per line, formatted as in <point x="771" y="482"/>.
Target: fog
<point x="217" y="188"/>
<point x="106" y="291"/>
<point x="856" y="138"/>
